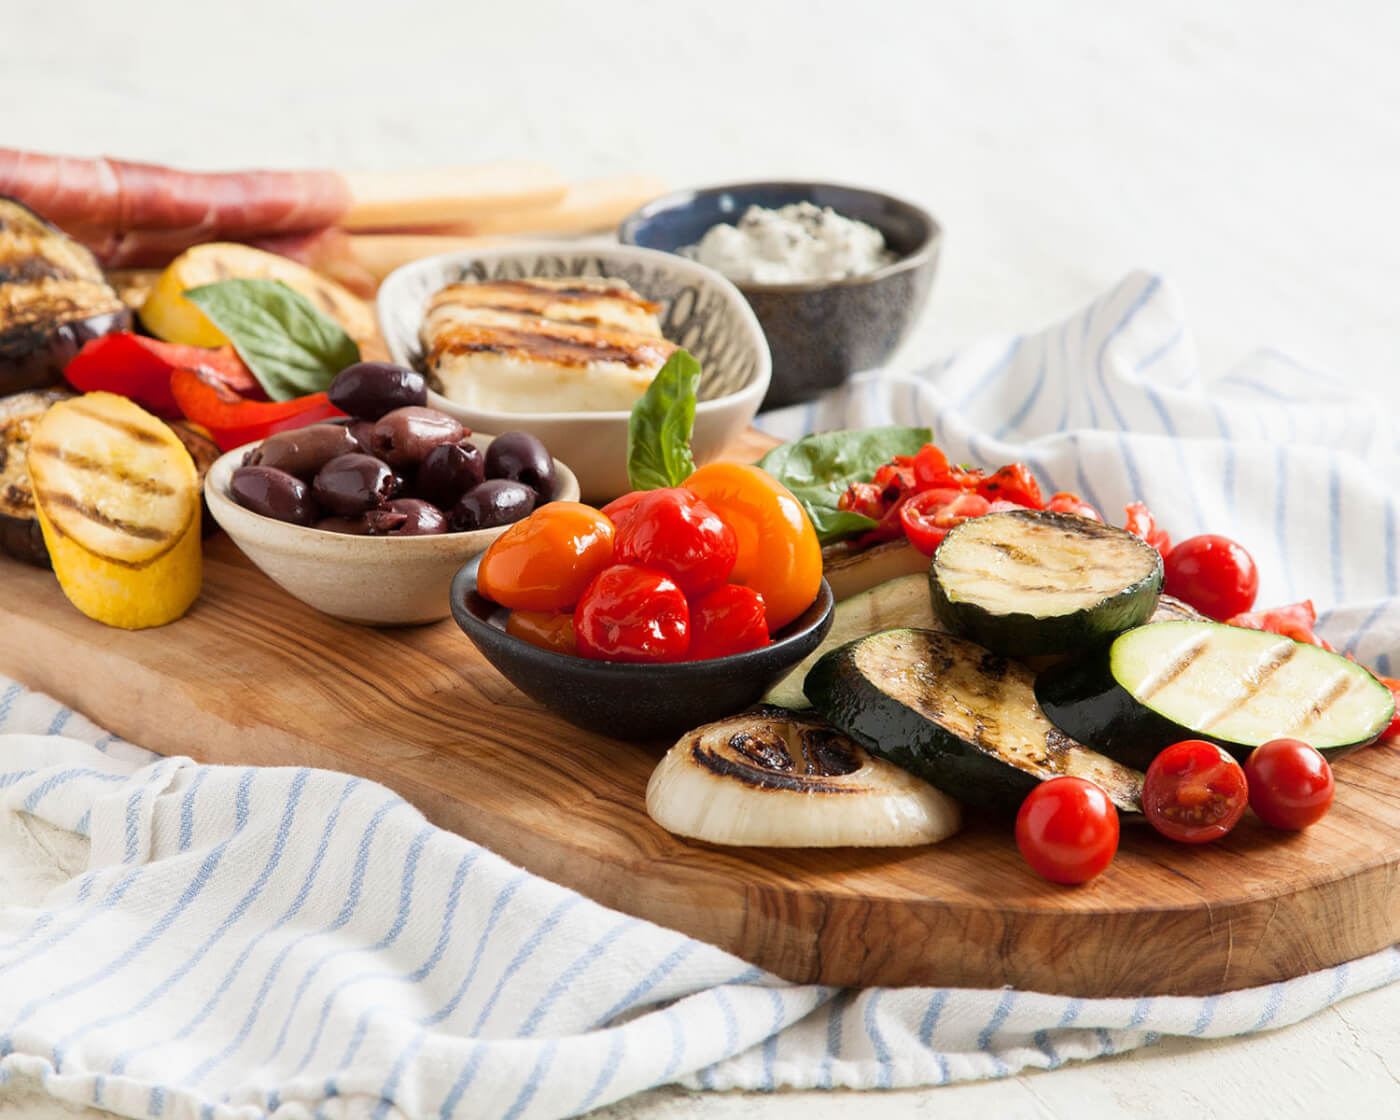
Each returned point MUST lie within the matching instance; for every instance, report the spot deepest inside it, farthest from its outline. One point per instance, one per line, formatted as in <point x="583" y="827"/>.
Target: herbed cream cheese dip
<point x="795" y="244"/>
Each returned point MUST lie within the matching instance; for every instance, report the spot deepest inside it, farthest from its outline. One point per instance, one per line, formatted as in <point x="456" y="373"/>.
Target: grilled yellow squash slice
<point x="167" y="314"/>
<point x="118" y="501"/>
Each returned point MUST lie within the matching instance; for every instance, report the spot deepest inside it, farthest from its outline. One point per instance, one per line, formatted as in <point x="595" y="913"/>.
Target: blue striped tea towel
<point x="247" y="941"/>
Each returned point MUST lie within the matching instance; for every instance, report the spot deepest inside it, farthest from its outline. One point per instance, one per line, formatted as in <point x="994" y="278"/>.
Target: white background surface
<point x="1250" y="152"/>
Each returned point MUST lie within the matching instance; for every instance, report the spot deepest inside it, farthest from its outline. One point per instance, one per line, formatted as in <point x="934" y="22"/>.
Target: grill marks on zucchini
<point x="1028" y="582"/>
<point x="955" y="714"/>
<point x="1169" y="681"/>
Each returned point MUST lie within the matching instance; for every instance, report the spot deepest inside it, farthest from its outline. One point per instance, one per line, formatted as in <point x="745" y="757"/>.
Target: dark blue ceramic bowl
<point x="823" y="332"/>
<point x="635" y="702"/>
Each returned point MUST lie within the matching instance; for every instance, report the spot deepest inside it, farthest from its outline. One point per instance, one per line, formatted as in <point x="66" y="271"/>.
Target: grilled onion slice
<point x="774" y="778"/>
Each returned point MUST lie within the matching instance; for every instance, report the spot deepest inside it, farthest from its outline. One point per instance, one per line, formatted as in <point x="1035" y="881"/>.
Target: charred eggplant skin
<point x="53" y="299"/>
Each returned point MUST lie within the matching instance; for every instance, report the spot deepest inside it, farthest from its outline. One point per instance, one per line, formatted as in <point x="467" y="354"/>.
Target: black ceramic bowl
<point x="819" y="333"/>
<point x="635" y="702"/>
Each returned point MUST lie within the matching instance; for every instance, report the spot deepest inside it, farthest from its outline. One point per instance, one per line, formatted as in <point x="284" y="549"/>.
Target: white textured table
<point x="1252" y="155"/>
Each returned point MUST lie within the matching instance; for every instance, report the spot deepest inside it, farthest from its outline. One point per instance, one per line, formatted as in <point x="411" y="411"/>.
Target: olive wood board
<point x="251" y="676"/>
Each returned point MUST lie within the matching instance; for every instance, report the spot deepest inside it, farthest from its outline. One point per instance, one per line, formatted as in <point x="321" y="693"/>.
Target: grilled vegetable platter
<point x="994" y="653"/>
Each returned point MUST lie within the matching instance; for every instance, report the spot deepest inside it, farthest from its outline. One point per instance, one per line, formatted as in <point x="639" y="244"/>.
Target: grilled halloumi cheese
<point x="543" y="345"/>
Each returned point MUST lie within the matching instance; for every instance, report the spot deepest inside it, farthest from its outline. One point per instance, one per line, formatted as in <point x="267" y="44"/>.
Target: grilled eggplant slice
<point x="958" y="716"/>
<point x="53" y="298"/>
<point x="20" y="535"/>
<point x="1159" y="684"/>
<point x="1028" y="582"/>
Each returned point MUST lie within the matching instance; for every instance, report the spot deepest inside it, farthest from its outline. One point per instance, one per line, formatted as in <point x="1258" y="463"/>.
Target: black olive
<point x="304" y="451"/>
<point x="351" y="484"/>
<point x="523" y="458"/>
<point x="273" y="493"/>
<point x="368" y="390"/>
<point x="403" y="438"/>
<point x="448" y="471"/>
<point x="407" y="517"/>
<point x="497" y="501"/>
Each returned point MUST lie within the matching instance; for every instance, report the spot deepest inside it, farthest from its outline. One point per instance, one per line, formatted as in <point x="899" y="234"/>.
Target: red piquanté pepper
<point x="234" y="420"/>
<point x="140" y="368"/>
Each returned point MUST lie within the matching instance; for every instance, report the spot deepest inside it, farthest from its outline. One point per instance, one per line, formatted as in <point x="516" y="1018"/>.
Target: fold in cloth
<point x="302" y="942"/>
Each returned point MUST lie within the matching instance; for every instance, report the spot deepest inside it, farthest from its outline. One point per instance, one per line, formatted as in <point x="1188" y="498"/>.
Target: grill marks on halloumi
<point x="543" y="345"/>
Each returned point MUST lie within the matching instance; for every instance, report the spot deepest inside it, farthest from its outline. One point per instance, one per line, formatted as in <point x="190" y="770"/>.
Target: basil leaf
<point x="658" y="435"/>
<point x="818" y="468"/>
<point x="292" y="348"/>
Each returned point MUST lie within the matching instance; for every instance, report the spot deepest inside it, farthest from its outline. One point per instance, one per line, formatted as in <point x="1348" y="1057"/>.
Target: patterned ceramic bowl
<point x="701" y="311"/>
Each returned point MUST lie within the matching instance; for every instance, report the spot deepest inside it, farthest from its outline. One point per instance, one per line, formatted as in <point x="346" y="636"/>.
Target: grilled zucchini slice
<point x="1030" y="582"/>
<point x="1169" y="681"/>
<point x="960" y="717"/>
<point x="118" y="501"/>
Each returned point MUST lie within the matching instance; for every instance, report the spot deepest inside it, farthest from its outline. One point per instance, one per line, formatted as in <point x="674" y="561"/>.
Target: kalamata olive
<point x="406" y="517"/>
<point x="523" y="458"/>
<point x="403" y="437"/>
<point x="351" y="484"/>
<point x="448" y="471"/>
<point x="354" y="526"/>
<point x="304" y="451"/>
<point x="497" y="501"/>
<point x="273" y="493"/>
<point x="362" y="432"/>
<point x="368" y="390"/>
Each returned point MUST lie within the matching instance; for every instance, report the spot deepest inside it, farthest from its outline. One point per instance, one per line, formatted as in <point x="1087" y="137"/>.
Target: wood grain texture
<point x="252" y="676"/>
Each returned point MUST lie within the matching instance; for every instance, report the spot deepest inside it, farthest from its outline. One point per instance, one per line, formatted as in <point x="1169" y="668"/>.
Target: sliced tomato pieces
<point x="929" y="515"/>
<point x="1066" y="502"/>
<point x="1296" y="621"/>
<point x="1141" y="523"/>
<point x="1194" y="792"/>
<point x="1012" y="483"/>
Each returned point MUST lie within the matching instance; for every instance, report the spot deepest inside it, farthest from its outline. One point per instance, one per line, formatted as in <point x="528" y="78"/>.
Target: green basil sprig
<point x="658" y="435"/>
<point x="291" y="347"/>
<point x="818" y="468"/>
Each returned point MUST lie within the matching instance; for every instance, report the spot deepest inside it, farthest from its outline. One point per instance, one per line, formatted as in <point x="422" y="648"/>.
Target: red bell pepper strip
<point x="137" y="367"/>
<point x="233" y="420"/>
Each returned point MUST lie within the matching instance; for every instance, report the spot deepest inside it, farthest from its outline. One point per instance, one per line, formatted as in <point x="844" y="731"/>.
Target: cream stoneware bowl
<point x="701" y="311"/>
<point x="375" y="581"/>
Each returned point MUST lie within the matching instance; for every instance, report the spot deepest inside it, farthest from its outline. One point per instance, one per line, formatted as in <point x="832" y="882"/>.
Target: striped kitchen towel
<point x="242" y="941"/>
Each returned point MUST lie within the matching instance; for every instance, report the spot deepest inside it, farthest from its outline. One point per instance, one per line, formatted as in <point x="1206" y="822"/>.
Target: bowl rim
<point x="753" y="392"/>
<point x="224" y="509"/>
<point x="821" y="610"/>
<point x="677" y="200"/>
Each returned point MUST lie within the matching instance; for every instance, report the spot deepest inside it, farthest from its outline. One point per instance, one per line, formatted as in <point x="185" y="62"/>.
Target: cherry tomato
<point x="1012" y="483"/>
<point x="547" y="629"/>
<point x="729" y="619"/>
<point x="1194" y="792"/>
<point x="1065" y="502"/>
<point x="928" y="516"/>
<point x="1290" y="784"/>
<point x="630" y="613"/>
<point x="674" y="532"/>
<point x="779" y="556"/>
<point x="1067" y="830"/>
<point x="863" y="498"/>
<point x="1142" y="524"/>
<point x="544" y="562"/>
<point x="1213" y="574"/>
<point x="1296" y="621"/>
<point x="619" y="510"/>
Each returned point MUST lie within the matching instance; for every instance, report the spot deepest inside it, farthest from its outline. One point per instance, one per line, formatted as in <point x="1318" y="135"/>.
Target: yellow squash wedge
<point x="118" y="501"/>
<point x="167" y="314"/>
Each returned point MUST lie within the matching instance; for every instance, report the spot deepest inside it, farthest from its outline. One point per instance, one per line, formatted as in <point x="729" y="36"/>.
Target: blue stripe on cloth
<point x="1334" y="526"/>
<point x="153" y="933"/>
<point x="1163" y="350"/>
<point x="396" y="1072"/>
<point x="1271" y="1008"/>
<point x="63" y="777"/>
<point x="731" y="1035"/>
<point x="1281" y="516"/>
<point x="984" y="1037"/>
<point x="120" y="1062"/>
<point x="497" y="908"/>
<point x="992" y="372"/>
<point x="12" y="693"/>
<point x="532" y="943"/>
<point x="647" y="983"/>
<point x="408" y="879"/>
<point x="284" y="828"/>
<point x="1018" y="417"/>
<point x="60" y="721"/>
<point x="1141" y="301"/>
<point x="617" y="1046"/>
<point x="352" y="899"/>
<point x="1203" y="1020"/>
<point x="770" y="1044"/>
<point x="833" y="1037"/>
<point x="678" y="1044"/>
<point x="463" y="1082"/>
<point x="565" y="980"/>
<point x="187" y="811"/>
<point x="877" y="1040"/>
<point x="532" y="1081"/>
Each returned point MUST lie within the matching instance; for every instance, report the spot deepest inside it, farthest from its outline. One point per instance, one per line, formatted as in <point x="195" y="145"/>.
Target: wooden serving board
<point x="252" y="676"/>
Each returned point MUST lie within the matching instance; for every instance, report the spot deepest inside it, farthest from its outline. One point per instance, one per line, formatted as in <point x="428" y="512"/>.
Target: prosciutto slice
<point x="140" y="213"/>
